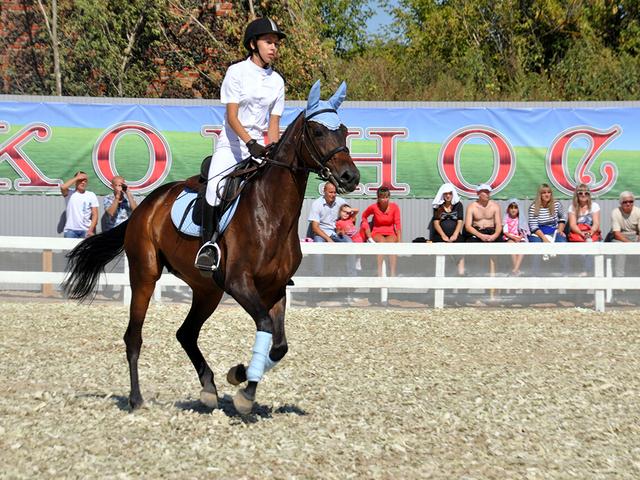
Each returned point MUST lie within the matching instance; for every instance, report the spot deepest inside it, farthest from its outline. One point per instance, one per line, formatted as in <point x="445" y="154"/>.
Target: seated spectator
<point x="448" y="219"/>
<point x="625" y="225"/>
<point x="547" y="221"/>
<point x="81" y="207"/>
<point x="584" y="217"/>
<point x="386" y="225"/>
<point x="584" y="222"/>
<point x="515" y="230"/>
<point x="346" y="224"/>
<point x="322" y="225"/>
<point x="483" y="223"/>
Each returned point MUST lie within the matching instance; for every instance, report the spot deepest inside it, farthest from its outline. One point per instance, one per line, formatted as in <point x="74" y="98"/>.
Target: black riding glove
<point x="255" y="149"/>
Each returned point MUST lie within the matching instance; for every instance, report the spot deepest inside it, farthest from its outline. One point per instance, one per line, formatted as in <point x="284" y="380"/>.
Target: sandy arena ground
<point x="377" y="393"/>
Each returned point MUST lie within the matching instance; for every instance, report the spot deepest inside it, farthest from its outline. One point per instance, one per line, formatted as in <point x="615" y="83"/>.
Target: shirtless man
<point x="483" y="222"/>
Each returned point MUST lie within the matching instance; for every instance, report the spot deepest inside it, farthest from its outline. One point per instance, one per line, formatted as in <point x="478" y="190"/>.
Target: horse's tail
<point x="87" y="261"/>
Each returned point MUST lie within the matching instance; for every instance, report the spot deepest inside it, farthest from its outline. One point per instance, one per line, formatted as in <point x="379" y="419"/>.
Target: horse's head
<point x="325" y="139"/>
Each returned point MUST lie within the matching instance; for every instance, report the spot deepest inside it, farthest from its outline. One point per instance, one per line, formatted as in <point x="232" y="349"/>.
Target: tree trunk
<point x="52" y="29"/>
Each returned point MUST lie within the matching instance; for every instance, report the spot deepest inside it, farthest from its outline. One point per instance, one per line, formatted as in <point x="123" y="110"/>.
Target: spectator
<point x="584" y="222"/>
<point x="448" y="219"/>
<point x="119" y="204"/>
<point x="322" y="225"/>
<point x="81" y="207"/>
<point x="625" y="226"/>
<point x="483" y="223"/>
<point x="346" y="224"/>
<point x="515" y="230"/>
<point x="547" y="221"/>
<point x="386" y="225"/>
<point x="546" y="217"/>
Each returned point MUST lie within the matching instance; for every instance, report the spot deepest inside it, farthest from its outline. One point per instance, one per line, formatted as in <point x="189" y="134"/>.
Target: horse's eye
<point x="318" y="133"/>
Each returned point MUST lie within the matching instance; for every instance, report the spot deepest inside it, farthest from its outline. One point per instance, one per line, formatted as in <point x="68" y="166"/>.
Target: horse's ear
<point x="339" y="96"/>
<point x="314" y="96"/>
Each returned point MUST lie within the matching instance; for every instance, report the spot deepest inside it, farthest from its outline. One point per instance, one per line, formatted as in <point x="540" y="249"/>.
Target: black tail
<point x="88" y="259"/>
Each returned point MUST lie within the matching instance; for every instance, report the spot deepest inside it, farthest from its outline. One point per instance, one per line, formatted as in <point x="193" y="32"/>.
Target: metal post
<point x="384" y="292"/>
<point x="599" y="273"/>
<point x="439" y="293"/>
<point x="609" y="274"/>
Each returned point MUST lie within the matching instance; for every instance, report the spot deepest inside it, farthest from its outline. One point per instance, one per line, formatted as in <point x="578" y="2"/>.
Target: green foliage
<point x="436" y="50"/>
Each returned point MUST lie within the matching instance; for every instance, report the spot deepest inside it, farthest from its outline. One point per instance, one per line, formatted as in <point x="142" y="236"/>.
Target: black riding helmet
<point x="260" y="26"/>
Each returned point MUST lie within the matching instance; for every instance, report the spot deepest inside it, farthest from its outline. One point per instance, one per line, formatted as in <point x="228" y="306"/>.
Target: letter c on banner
<point x="104" y="161"/>
<point x="503" y="159"/>
<point x="557" y="162"/>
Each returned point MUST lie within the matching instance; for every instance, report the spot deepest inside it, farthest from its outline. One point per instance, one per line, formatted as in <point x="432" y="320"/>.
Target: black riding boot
<point x="208" y="256"/>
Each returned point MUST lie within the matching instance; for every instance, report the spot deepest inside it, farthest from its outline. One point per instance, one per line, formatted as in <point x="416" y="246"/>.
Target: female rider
<point x="254" y="97"/>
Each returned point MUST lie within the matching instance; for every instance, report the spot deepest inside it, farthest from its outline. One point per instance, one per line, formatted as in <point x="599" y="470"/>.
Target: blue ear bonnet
<point x="314" y="104"/>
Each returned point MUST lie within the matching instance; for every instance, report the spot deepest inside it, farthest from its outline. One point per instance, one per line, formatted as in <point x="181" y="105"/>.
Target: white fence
<point x="600" y="281"/>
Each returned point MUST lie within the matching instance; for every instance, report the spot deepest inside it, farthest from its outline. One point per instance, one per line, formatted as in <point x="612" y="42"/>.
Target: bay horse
<point x="260" y="249"/>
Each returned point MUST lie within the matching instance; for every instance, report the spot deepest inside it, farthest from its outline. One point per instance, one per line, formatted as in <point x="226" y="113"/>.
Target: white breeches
<point x="222" y="163"/>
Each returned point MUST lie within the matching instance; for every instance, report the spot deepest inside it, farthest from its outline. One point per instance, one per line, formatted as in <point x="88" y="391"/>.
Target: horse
<point x="260" y="250"/>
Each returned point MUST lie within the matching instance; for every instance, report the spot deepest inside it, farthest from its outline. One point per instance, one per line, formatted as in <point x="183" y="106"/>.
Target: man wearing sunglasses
<point x="625" y="225"/>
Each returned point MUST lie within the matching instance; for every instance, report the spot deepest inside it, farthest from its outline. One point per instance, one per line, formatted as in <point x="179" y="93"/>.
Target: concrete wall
<point x="42" y="215"/>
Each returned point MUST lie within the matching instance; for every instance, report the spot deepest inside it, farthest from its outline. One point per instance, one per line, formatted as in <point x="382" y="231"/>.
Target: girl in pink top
<point x="346" y="223"/>
<point x="515" y="229"/>
<point x="386" y="225"/>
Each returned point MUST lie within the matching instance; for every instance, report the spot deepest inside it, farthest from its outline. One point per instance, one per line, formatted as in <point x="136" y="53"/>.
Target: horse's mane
<point x="285" y="136"/>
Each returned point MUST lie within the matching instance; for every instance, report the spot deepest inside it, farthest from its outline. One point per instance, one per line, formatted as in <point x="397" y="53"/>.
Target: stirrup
<point x="204" y="260"/>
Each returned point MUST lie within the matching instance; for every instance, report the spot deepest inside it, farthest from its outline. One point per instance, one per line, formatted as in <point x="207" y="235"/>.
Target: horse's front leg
<point x="269" y="348"/>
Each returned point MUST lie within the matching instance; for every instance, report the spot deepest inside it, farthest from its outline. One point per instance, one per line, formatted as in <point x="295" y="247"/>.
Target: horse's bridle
<point x="319" y="159"/>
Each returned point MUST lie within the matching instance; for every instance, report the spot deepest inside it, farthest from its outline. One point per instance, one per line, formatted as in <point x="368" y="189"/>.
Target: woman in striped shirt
<point x="547" y="220"/>
<point x="547" y="217"/>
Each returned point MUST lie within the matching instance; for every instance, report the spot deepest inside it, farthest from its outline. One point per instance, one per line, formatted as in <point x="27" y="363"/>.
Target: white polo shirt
<point x="259" y="93"/>
<point x="326" y="214"/>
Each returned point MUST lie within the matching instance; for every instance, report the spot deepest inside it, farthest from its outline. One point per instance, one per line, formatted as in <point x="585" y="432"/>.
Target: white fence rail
<point x="600" y="281"/>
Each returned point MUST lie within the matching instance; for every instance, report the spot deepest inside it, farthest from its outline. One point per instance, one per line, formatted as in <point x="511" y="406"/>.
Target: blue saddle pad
<point x="185" y="200"/>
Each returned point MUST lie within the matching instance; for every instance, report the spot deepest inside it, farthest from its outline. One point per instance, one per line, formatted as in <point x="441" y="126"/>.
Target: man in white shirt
<point x="323" y="215"/>
<point x="81" y="209"/>
<point x="625" y="226"/>
<point x="322" y="225"/>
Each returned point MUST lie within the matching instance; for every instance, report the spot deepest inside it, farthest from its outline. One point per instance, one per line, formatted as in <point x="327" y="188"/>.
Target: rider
<point x="254" y="97"/>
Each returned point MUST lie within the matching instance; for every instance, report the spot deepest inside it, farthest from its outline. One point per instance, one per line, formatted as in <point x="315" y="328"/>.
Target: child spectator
<point x="346" y="223"/>
<point x="515" y="230"/>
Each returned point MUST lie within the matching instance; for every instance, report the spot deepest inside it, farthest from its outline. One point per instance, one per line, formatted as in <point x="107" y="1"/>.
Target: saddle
<point x="242" y="173"/>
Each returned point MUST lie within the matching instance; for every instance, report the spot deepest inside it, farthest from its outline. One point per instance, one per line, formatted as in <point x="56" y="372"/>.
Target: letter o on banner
<point x="104" y="161"/>
<point x="503" y="159"/>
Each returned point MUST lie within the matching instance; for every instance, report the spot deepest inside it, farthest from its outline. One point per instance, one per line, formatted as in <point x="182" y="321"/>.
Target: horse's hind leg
<point x="202" y="306"/>
<point x="140" y="296"/>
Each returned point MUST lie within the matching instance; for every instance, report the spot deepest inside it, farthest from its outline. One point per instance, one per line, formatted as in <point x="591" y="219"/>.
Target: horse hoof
<point x="237" y="375"/>
<point x="135" y="404"/>
<point x="209" y="399"/>
<point x="242" y="404"/>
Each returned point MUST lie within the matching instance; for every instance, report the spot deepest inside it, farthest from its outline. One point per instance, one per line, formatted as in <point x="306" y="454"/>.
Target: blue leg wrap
<point x="260" y="361"/>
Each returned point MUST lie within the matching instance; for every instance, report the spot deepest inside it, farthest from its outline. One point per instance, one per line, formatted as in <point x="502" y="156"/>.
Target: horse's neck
<point x="283" y="185"/>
